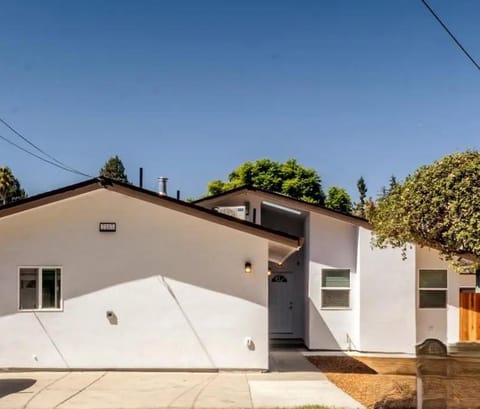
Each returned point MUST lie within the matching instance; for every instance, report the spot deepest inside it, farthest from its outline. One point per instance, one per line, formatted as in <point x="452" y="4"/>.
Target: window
<point x="432" y="286"/>
<point x="39" y="288"/>
<point x="335" y="288"/>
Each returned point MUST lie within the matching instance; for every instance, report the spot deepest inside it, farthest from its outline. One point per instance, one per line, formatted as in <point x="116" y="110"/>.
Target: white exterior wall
<point x="331" y="244"/>
<point x="442" y="324"/>
<point x="175" y="282"/>
<point x="387" y="297"/>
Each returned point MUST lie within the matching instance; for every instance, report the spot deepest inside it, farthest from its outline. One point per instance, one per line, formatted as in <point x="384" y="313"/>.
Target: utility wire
<point x="32" y="144"/>
<point x="451" y="34"/>
<point x="42" y="158"/>
<point x="52" y="160"/>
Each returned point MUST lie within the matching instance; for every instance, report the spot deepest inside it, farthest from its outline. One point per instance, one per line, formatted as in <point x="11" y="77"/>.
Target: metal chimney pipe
<point x="162" y="186"/>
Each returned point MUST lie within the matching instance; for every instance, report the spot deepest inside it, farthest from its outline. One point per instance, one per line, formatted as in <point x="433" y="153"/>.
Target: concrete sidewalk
<point x="292" y="382"/>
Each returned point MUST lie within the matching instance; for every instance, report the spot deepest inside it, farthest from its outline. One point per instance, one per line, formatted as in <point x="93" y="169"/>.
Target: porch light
<point x="248" y="267"/>
<point x="269" y="272"/>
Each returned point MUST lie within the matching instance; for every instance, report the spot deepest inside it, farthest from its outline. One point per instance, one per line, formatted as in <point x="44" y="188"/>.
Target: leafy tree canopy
<point x="338" y="199"/>
<point x="438" y="206"/>
<point x="114" y="169"/>
<point x="10" y="188"/>
<point x="288" y="178"/>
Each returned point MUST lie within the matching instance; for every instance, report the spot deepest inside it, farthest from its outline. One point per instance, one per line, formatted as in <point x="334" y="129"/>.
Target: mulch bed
<point x="380" y="383"/>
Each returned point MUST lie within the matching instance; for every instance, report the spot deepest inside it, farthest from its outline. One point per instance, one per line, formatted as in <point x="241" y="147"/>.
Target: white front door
<point x="280" y="303"/>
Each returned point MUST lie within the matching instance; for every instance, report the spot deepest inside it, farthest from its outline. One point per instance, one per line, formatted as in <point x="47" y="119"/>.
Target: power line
<point x="52" y="160"/>
<point x="42" y="158"/>
<point x="32" y="144"/>
<point x="451" y="35"/>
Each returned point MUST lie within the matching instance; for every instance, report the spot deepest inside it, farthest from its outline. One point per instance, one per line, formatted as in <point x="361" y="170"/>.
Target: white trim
<point x="283" y="208"/>
<point x="349" y="289"/>
<point x="40" y="269"/>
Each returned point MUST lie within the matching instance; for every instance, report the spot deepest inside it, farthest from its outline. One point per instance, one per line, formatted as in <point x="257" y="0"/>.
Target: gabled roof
<point x="281" y="245"/>
<point x="286" y="201"/>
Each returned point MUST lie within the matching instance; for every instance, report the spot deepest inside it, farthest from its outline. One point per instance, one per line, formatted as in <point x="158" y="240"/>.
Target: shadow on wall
<point x="104" y="261"/>
<point x="320" y="332"/>
<point x="9" y="386"/>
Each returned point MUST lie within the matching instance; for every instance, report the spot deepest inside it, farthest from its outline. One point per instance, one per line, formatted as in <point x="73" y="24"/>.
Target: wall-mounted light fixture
<point x="248" y="267"/>
<point x="269" y="272"/>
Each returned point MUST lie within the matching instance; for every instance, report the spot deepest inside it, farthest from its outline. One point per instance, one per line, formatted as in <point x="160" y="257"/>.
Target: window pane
<point x="51" y="288"/>
<point x="433" y="299"/>
<point x="28" y="288"/>
<point x="336" y="298"/>
<point x="433" y="279"/>
<point x="336" y="278"/>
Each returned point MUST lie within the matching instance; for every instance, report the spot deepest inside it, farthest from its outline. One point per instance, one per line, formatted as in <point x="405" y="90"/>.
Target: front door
<point x="281" y="303"/>
<point x="469" y="315"/>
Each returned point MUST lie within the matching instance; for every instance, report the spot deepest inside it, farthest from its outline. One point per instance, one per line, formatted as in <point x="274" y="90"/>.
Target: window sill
<point x="41" y="310"/>
<point x="432" y="308"/>
<point x="336" y="308"/>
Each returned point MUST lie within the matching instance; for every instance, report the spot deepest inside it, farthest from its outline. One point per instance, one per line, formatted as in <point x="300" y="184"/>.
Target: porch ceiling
<point x="278" y="252"/>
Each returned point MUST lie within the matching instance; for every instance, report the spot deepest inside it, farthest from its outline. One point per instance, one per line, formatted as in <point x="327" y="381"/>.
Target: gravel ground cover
<point x="380" y="383"/>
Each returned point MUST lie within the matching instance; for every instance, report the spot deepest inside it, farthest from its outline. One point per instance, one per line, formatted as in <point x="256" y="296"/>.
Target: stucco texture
<point x="176" y="284"/>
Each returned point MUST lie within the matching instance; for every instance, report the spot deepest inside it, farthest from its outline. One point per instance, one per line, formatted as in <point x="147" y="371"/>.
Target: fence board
<point x="469" y="317"/>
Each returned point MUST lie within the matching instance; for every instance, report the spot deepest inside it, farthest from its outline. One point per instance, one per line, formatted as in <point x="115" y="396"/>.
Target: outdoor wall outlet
<point x="112" y="318"/>
<point x="249" y="343"/>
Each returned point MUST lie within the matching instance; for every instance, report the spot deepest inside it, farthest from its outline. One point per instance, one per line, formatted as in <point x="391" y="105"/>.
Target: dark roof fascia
<point x="152" y="197"/>
<point x="18" y="206"/>
<point x="205" y="213"/>
<point x="226" y="193"/>
<point x="310" y="206"/>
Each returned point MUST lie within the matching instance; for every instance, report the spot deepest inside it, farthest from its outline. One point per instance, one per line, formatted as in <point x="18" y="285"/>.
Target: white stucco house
<point x="340" y="293"/>
<point x="107" y="275"/>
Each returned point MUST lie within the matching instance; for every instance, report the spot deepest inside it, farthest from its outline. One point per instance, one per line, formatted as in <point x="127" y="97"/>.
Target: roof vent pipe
<point x="162" y="186"/>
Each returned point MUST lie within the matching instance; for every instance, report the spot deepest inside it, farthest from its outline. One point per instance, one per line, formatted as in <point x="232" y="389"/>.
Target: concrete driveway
<point x="292" y="382"/>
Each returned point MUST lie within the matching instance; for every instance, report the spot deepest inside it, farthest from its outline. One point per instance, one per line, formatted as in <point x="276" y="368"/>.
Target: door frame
<point x="291" y="276"/>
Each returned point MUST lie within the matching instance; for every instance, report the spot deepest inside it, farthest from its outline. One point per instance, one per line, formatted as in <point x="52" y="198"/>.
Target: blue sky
<point x="191" y="89"/>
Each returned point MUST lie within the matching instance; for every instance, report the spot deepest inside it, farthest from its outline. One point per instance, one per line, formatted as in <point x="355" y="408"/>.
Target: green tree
<point x="438" y="206"/>
<point x="288" y="178"/>
<point x="392" y="183"/>
<point x="114" y="169"/>
<point x="362" y="192"/>
<point x="338" y="199"/>
<point x="10" y="188"/>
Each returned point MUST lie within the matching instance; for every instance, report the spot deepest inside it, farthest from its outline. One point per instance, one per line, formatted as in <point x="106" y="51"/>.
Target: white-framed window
<point x="335" y="288"/>
<point x="39" y="288"/>
<point x="432" y="288"/>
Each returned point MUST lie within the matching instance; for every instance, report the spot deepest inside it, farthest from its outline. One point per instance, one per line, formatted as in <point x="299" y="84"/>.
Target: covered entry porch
<point x="287" y="281"/>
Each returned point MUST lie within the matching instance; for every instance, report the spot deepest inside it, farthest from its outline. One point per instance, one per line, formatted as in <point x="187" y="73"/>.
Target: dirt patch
<point x="380" y="383"/>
